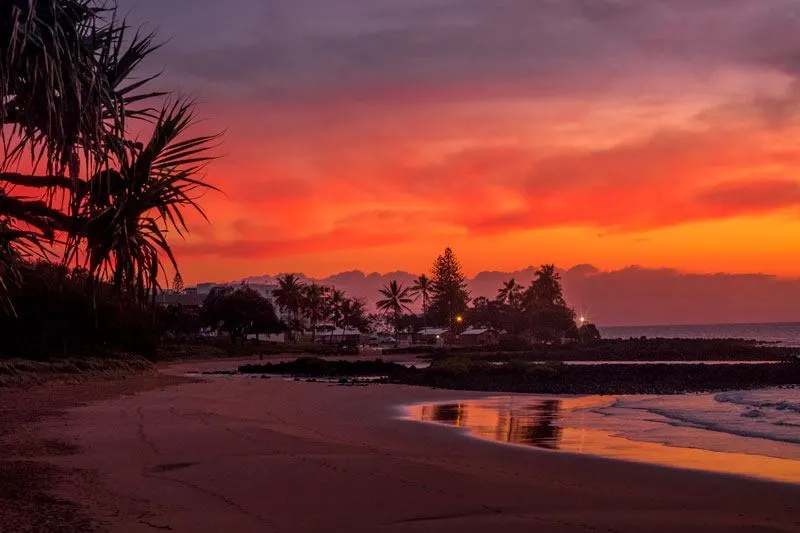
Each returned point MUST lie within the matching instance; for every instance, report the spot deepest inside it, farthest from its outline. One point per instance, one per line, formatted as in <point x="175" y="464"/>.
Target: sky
<point x="370" y="134"/>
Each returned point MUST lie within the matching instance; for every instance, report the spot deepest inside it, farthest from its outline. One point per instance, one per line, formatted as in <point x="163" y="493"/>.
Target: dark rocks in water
<point x="549" y="378"/>
<point x="635" y="349"/>
<point x="316" y="367"/>
<point x="556" y="378"/>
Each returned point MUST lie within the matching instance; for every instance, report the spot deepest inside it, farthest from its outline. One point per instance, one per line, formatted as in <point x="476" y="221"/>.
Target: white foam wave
<point x="771" y="414"/>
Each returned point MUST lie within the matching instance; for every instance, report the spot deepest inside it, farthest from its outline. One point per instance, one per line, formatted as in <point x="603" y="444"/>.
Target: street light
<point x="459" y="319"/>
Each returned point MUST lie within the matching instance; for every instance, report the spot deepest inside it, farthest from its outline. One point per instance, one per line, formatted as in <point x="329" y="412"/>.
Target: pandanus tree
<point x="71" y="179"/>
<point x="395" y="300"/>
<point x="126" y="212"/>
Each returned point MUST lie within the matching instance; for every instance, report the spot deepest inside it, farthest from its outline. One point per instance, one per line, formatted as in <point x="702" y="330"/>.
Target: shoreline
<point x="631" y="444"/>
<point x="256" y="455"/>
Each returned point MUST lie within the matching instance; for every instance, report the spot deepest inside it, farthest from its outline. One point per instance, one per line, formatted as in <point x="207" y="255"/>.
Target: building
<point x="186" y="298"/>
<point x="479" y="337"/>
<point x="431" y="336"/>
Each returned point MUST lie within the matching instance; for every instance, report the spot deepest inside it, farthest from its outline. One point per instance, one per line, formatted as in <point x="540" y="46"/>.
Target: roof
<point x="432" y="331"/>
<point x="476" y="331"/>
<point x="337" y="332"/>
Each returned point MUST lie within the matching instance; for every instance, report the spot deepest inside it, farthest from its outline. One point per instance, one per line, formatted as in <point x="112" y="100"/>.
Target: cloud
<point x="361" y="122"/>
<point x="638" y="186"/>
<point x="288" y="49"/>
<point x="264" y="248"/>
<point x="752" y="196"/>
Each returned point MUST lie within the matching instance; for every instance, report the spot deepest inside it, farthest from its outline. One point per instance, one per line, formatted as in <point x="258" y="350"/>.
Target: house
<point x="186" y="298"/>
<point x="479" y="337"/>
<point x="431" y="336"/>
<point x="334" y="336"/>
<point x="347" y="336"/>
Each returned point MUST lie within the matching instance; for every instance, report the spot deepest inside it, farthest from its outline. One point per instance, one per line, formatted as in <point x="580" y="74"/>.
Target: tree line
<point x="537" y="312"/>
<point x="534" y="312"/>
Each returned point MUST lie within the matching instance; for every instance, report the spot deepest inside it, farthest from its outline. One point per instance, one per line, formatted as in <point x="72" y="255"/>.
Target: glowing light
<point x="582" y="319"/>
<point x="459" y="319"/>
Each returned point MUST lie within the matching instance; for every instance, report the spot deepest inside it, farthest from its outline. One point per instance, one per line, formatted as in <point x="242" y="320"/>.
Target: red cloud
<point x="341" y="239"/>
<point x="752" y="196"/>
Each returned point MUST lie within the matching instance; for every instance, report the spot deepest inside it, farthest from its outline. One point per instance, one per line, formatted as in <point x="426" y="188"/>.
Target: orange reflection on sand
<point x="537" y="423"/>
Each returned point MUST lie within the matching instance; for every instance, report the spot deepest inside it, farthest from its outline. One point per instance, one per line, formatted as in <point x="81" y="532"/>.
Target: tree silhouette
<point x="314" y="306"/>
<point x="422" y="288"/>
<point x="69" y="88"/>
<point x="450" y="296"/>
<point x="289" y="297"/>
<point x="239" y="311"/>
<point x="510" y="292"/>
<point x="396" y="299"/>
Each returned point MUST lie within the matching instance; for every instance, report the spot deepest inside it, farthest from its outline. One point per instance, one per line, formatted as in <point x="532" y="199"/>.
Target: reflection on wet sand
<point x="541" y="424"/>
<point x="534" y="424"/>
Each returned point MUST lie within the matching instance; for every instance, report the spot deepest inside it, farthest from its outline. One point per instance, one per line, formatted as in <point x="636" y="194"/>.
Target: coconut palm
<point x="288" y="296"/>
<point x="422" y="288"/>
<point x="334" y="307"/>
<point x="510" y="292"/>
<point x="314" y="306"/>
<point x="396" y="299"/>
<point x="354" y="314"/>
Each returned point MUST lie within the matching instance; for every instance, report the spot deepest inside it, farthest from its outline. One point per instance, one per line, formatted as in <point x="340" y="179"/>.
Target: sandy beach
<point x="258" y="455"/>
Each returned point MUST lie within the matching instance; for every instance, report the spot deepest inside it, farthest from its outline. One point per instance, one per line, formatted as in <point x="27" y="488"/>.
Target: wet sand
<point x="254" y="455"/>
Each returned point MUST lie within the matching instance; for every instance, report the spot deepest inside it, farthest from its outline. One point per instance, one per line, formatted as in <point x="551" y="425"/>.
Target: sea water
<point x="752" y="433"/>
<point x="781" y="334"/>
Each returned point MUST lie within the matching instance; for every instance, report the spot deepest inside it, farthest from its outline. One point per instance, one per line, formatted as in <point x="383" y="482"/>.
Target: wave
<point x="747" y="398"/>
<point x="772" y="414"/>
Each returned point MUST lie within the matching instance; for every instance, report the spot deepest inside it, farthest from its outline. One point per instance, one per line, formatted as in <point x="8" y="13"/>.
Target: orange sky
<point x="372" y="135"/>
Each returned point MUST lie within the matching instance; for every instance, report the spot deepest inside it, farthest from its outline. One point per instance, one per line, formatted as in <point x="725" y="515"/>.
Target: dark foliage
<point x="449" y="296"/>
<point x="55" y="317"/>
<point x="179" y="323"/>
<point x="239" y="312"/>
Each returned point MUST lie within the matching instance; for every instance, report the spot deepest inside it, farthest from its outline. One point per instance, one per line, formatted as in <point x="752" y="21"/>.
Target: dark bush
<point x="56" y="316"/>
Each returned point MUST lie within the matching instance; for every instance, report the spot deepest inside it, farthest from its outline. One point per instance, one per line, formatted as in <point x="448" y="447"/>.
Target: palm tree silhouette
<point x="288" y="296"/>
<point x="510" y="292"/>
<point x="127" y="212"/>
<point x="396" y="300"/>
<point x="422" y="288"/>
<point x="314" y="306"/>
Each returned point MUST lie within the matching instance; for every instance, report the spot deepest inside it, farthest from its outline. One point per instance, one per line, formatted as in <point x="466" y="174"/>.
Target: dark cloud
<point x="294" y="48"/>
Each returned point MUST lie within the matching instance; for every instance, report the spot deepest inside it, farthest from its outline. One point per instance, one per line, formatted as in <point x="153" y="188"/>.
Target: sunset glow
<point x="529" y="132"/>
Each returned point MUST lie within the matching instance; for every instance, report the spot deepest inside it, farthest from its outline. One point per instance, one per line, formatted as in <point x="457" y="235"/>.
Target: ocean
<point x="782" y="334"/>
<point x="752" y="433"/>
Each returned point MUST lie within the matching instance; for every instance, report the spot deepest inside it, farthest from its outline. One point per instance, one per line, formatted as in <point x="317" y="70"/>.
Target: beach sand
<point x="245" y="455"/>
